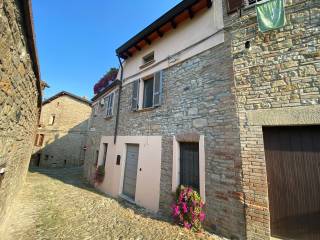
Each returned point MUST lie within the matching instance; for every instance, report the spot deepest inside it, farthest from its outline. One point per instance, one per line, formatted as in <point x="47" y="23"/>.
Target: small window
<point x="109" y="104"/>
<point x="39" y="140"/>
<point x="251" y="2"/>
<point x="148" y="58"/>
<point x="105" y="149"/>
<point x="148" y="93"/>
<point x="95" y="109"/>
<point x="97" y="158"/>
<point x="52" y="119"/>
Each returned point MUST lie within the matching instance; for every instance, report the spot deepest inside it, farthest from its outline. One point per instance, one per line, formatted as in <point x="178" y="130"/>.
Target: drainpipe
<point x="118" y="105"/>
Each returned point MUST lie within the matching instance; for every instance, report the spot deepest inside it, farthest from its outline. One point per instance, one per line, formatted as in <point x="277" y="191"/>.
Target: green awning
<point x="270" y="14"/>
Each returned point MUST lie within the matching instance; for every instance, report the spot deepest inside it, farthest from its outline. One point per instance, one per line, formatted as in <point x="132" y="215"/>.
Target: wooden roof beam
<point x="160" y="33"/>
<point x="173" y="23"/>
<point x="137" y="47"/>
<point x="191" y="13"/>
<point x="147" y="40"/>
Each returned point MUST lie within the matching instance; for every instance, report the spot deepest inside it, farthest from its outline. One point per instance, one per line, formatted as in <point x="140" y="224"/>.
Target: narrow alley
<point x="58" y="204"/>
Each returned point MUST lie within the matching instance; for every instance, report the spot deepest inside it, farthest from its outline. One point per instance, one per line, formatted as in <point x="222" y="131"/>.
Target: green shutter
<point x="270" y="14"/>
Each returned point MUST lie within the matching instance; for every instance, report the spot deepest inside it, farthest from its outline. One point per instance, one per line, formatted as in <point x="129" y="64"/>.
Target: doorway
<point x="293" y="173"/>
<point x="189" y="165"/>
<point x="130" y="171"/>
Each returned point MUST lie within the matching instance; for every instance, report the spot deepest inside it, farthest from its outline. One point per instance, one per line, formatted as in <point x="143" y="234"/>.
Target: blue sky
<point x="76" y="39"/>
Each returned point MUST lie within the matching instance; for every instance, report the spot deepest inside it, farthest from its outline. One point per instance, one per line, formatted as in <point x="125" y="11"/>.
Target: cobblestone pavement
<point x="58" y="204"/>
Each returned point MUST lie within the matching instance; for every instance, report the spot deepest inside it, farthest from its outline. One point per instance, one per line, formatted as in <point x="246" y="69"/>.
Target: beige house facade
<point x="205" y="99"/>
<point x="60" y="139"/>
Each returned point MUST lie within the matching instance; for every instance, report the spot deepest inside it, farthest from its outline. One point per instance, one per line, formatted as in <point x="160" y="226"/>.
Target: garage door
<point x="293" y="172"/>
<point x="130" y="171"/>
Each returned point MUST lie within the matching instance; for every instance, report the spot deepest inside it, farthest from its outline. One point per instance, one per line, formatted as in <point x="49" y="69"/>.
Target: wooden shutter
<point x="135" y="95"/>
<point x="109" y="104"/>
<point x="233" y="5"/>
<point x="157" y="89"/>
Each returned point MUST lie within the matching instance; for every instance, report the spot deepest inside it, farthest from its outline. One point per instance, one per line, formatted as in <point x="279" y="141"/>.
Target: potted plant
<point x="187" y="209"/>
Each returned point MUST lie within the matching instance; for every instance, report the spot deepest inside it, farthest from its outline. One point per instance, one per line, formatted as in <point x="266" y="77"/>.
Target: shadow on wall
<point x="74" y="176"/>
<point x="60" y="148"/>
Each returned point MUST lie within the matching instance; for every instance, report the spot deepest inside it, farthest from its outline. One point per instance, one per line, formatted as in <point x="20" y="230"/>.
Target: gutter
<point x="118" y="104"/>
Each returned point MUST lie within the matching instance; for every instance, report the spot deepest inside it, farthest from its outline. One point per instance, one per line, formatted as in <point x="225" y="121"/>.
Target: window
<point x="52" y="119"/>
<point x="95" y="110"/>
<point x="109" y="104"/>
<point x="39" y="140"/>
<point x="147" y="93"/>
<point x="105" y="149"/>
<point x="97" y="158"/>
<point x="251" y="2"/>
<point x="149" y="58"/>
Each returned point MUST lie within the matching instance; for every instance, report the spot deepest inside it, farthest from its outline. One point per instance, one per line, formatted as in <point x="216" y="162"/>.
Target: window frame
<point x="139" y="94"/>
<point x="109" y="102"/>
<point x="52" y="119"/>
<point x="144" y="97"/>
<point x="39" y="140"/>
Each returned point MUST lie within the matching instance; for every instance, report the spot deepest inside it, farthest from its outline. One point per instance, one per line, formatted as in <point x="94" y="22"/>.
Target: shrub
<point x="187" y="209"/>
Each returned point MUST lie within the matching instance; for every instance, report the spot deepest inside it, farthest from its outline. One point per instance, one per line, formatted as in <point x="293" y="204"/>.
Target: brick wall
<point x="278" y="74"/>
<point x="19" y="97"/>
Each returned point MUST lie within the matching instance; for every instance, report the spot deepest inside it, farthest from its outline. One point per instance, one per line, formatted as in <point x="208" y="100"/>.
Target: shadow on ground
<point x="74" y="176"/>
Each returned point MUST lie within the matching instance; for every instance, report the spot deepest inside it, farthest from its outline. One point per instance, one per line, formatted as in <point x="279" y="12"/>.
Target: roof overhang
<point x="65" y="93"/>
<point x="170" y="20"/>
<point x="28" y="21"/>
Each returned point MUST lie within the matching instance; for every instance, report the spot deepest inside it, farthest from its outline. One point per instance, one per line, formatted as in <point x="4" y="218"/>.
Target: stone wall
<point x="277" y="83"/>
<point x="19" y="102"/>
<point x="198" y="98"/>
<point x="64" y="140"/>
<point x="99" y="126"/>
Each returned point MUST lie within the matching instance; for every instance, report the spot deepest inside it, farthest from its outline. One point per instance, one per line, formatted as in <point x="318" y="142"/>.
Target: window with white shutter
<point x="135" y="95"/>
<point x="109" y="104"/>
<point x="157" y="89"/>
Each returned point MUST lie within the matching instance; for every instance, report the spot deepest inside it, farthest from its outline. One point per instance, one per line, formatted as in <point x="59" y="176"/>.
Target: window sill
<point x="107" y="117"/>
<point x="147" y="64"/>
<point x="146" y="109"/>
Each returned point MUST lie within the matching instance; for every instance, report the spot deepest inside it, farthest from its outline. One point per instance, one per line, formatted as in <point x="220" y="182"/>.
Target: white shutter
<point x="157" y="89"/>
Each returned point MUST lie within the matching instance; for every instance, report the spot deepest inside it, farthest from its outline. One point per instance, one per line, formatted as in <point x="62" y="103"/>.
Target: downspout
<point x="118" y="104"/>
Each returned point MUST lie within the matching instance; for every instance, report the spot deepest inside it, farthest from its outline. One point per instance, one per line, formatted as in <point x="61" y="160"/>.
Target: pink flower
<point x="175" y="210"/>
<point x="186" y="225"/>
<point x="202" y="216"/>
<point x="184" y="207"/>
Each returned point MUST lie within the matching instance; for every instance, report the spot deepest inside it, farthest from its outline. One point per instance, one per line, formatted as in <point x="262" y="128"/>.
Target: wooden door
<point x="293" y="172"/>
<point x="189" y="165"/>
<point x="130" y="171"/>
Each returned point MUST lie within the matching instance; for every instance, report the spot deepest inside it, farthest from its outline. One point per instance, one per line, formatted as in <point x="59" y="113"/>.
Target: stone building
<point x="176" y="100"/>
<point x="60" y="139"/>
<point x="20" y="98"/>
<point x="277" y="82"/>
<point x="200" y="89"/>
